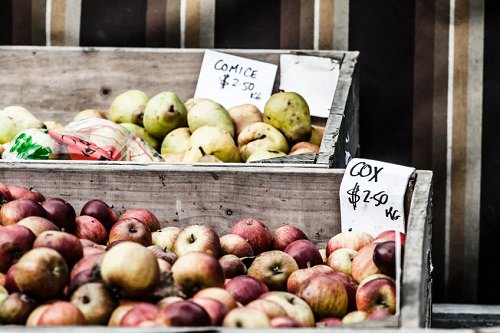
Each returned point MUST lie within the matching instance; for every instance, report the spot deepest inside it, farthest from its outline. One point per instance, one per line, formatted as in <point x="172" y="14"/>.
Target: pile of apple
<point x="100" y="267"/>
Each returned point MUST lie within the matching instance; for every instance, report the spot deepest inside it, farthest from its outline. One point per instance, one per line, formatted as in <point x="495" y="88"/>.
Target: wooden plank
<point x="452" y="316"/>
<point x="57" y="82"/>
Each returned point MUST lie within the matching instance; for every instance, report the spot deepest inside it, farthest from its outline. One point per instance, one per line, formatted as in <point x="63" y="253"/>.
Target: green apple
<point x="261" y="136"/>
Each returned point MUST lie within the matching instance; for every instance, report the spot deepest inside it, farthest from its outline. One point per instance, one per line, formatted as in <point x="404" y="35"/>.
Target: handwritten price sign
<point x="231" y="80"/>
<point x="372" y="196"/>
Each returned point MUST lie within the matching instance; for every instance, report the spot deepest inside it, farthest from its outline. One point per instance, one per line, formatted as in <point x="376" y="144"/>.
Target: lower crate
<point x="220" y="195"/>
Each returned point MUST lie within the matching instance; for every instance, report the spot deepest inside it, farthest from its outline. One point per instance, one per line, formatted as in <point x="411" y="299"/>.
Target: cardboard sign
<point x="231" y="80"/>
<point x="372" y="196"/>
<point x="314" y="78"/>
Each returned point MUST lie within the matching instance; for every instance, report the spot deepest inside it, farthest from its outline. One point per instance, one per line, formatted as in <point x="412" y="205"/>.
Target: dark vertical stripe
<point x="439" y="146"/>
<point x="247" y="24"/>
<point x="290" y="24"/>
<point x="306" y="24"/>
<point x="38" y="10"/>
<point x="6" y="22"/>
<point x="326" y="24"/>
<point x="173" y="22"/>
<point x="21" y="22"/>
<point x="384" y="33"/>
<point x="118" y="23"/>
<point x="489" y="292"/>
<point x="155" y="23"/>
<point x="192" y="27"/>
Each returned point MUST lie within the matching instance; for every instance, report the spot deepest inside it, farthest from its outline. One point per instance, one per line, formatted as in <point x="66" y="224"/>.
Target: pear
<point x="206" y="112"/>
<point x="289" y="112"/>
<point x="164" y="112"/>
<point x="190" y="102"/>
<point x="143" y="134"/>
<point x="304" y="147"/>
<point x="261" y="136"/>
<point x="128" y="107"/>
<point x="317" y="133"/>
<point x="52" y="125"/>
<point x="211" y="140"/>
<point x="264" y="154"/>
<point x="176" y="141"/>
<point x="173" y="157"/>
<point x="89" y="113"/>
<point x="244" y="115"/>
<point x="15" y="119"/>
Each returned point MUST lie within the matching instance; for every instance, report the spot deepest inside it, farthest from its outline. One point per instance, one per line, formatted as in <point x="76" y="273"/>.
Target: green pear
<point x="264" y="154"/>
<point x="173" y="157"/>
<point x="89" y="113"/>
<point x="206" y="112"/>
<point x="176" y="141"/>
<point x="317" y="133"/>
<point x="190" y="102"/>
<point x="210" y="159"/>
<point x="128" y="107"/>
<point x="244" y="115"/>
<point x="261" y="136"/>
<point x="211" y="140"/>
<point x="143" y="134"/>
<point x="52" y="125"/>
<point x="304" y="147"/>
<point x="15" y="119"/>
<point x="164" y="112"/>
<point x="289" y="112"/>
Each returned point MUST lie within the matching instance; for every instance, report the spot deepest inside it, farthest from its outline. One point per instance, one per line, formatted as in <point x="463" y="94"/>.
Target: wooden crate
<point x="57" y="82"/>
<point x="221" y="195"/>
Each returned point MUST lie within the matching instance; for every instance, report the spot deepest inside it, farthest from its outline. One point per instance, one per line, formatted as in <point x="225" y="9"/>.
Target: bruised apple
<point x="144" y="215"/>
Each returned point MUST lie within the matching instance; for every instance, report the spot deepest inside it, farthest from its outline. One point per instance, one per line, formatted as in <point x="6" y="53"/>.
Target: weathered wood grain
<point x="452" y="316"/>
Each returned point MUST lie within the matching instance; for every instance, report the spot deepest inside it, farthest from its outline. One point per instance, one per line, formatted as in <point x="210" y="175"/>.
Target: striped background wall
<point x="429" y="87"/>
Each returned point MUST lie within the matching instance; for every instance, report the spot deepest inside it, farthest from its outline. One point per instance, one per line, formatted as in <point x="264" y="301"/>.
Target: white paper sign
<point x="372" y="196"/>
<point x="231" y="80"/>
<point x="315" y="78"/>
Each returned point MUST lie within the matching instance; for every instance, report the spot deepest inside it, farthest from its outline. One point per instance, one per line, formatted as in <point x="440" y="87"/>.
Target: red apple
<point x="14" y="211"/>
<point x="390" y="235"/>
<point x="101" y="211"/>
<point x="377" y="291"/>
<point x="184" y="313"/>
<point x="246" y="318"/>
<point x="384" y="257"/>
<point x="140" y="313"/>
<point x="38" y="224"/>
<point x="270" y="308"/>
<point x="294" y="306"/>
<point x="85" y="263"/>
<point x="380" y="313"/>
<point x="273" y="268"/>
<point x="2" y="280"/>
<point x="167" y="256"/>
<point x="15" y="309"/>
<point x="286" y="234"/>
<point x="326" y="296"/>
<point x="61" y="213"/>
<point x="168" y="300"/>
<point x="130" y="229"/>
<point x="255" y="232"/>
<point x="236" y="245"/>
<point x="219" y="294"/>
<point x="363" y="264"/>
<point x="215" y="309"/>
<point x="88" y="227"/>
<point x="95" y="301"/>
<point x="282" y="322"/>
<point x="80" y="279"/>
<point x="4" y="193"/>
<point x="197" y="270"/>
<point x="305" y="253"/>
<point x="350" y="239"/>
<point x="34" y="316"/>
<point x="144" y="215"/>
<point x="329" y="322"/>
<point x="61" y="313"/>
<point x="351" y="287"/>
<point x="66" y="244"/>
<point x="15" y="240"/>
<point x="298" y="277"/>
<point x="340" y="260"/>
<point x="165" y="237"/>
<point x="18" y="191"/>
<point x="245" y="288"/>
<point x="89" y="250"/>
<point x="232" y="266"/>
<point x="9" y="283"/>
<point x="41" y="273"/>
<point x="119" y="312"/>
<point x="131" y="268"/>
<point x="199" y="238"/>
